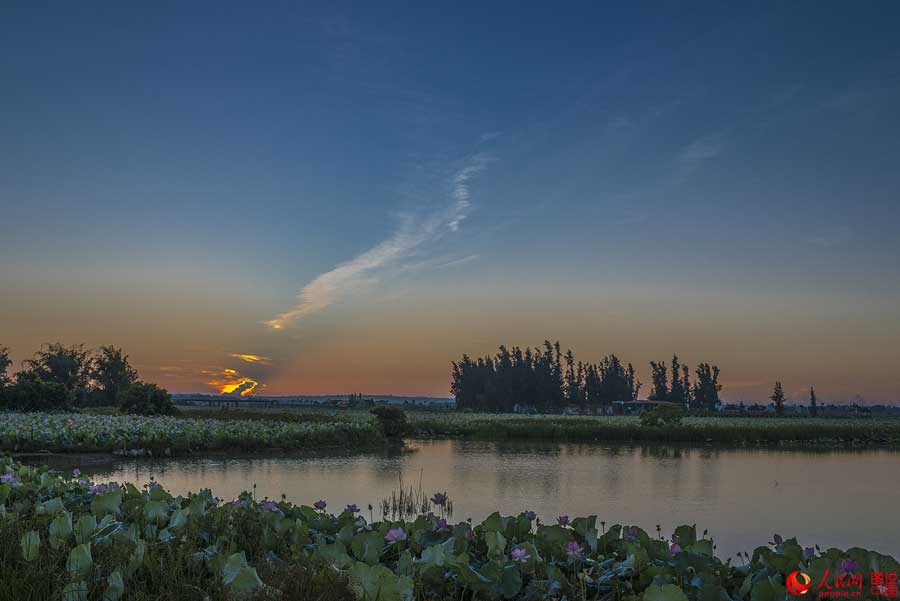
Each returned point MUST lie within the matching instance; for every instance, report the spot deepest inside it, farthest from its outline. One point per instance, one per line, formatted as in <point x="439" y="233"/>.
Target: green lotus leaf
<point x="239" y="576"/>
<point x="60" y="529"/>
<point x="51" y="507"/>
<point x="85" y="527"/>
<point x="685" y="536"/>
<point x="666" y="592"/>
<point x="80" y="561"/>
<point x="106" y="503"/>
<point x="496" y="544"/>
<point x="31" y="545"/>
<point x="377" y="583"/>
<point x="767" y="590"/>
<point x="336" y="555"/>
<point x="178" y="518"/>
<point x="115" y="587"/>
<point x="367" y="547"/>
<point x="156" y="512"/>
<point x="136" y="560"/>
<point x="75" y="591"/>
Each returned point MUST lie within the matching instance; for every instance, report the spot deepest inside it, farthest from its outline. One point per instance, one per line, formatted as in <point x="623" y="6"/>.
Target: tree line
<point x="547" y="380"/>
<point x="59" y="378"/>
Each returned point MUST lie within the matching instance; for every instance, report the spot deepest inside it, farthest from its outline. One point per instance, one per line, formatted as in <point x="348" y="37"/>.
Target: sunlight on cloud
<point x="410" y="237"/>
<point x="229" y="381"/>
<point x="252" y="358"/>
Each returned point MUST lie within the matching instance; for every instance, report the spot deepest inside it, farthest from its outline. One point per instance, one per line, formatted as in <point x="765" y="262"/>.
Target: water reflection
<point x="843" y="498"/>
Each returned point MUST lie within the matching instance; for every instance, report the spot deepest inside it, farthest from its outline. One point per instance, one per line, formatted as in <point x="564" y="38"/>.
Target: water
<point x="840" y="498"/>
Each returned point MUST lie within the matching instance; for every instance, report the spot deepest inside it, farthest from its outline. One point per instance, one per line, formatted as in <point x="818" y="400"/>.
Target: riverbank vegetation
<point x="632" y="429"/>
<point x="165" y="435"/>
<point x="73" y="539"/>
<point x="209" y="430"/>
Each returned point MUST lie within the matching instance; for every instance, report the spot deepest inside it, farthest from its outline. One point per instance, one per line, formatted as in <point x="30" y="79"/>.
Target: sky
<point x="334" y="198"/>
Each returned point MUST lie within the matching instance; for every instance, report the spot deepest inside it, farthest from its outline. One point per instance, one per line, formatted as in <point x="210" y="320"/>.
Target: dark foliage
<point x="667" y="414"/>
<point x="111" y="374"/>
<point x="535" y="378"/>
<point x="30" y="393"/>
<point x="392" y="421"/>
<point x="146" y="399"/>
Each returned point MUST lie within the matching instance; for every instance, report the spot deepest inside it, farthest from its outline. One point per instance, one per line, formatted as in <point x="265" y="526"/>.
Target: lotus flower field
<point x="69" y="538"/>
<point x="134" y="433"/>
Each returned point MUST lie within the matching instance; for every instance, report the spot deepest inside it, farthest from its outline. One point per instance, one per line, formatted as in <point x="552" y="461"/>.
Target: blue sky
<point x="715" y="180"/>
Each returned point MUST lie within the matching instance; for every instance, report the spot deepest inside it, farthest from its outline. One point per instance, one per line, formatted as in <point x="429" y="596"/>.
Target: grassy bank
<point x="312" y="428"/>
<point x="68" y="538"/>
<point x="694" y="430"/>
<point x="738" y="431"/>
<point x="76" y="432"/>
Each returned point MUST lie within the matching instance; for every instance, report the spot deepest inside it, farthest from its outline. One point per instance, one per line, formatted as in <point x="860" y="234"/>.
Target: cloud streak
<point x="410" y="237"/>
<point x="247" y="358"/>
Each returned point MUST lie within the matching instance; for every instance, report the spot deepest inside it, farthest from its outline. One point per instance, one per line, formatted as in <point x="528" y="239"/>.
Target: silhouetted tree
<point x="5" y="362"/>
<point x="677" y="392"/>
<point x="544" y="379"/>
<point x="707" y="387"/>
<point x="573" y="381"/>
<point x="778" y="398"/>
<point x="69" y="366"/>
<point x="112" y="373"/>
<point x="813" y="407"/>
<point x="659" y="377"/>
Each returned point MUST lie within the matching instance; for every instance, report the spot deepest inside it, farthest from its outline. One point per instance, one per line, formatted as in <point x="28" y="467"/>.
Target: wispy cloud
<point x="252" y="358"/>
<point x="410" y="238"/>
<point x="702" y="149"/>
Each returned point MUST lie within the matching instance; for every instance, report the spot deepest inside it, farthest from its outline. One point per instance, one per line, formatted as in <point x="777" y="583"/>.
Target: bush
<point x="30" y="393"/>
<point x="392" y="420"/>
<point x="146" y="399"/>
<point x="667" y="414"/>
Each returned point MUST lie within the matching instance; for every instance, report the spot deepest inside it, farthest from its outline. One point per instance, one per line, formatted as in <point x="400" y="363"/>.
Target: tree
<point x="69" y="366"/>
<point x="778" y="399"/>
<point x="146" y="399"/>
<point x="706" y="390"/>
<point x="30" y="393"/>
<point x="813" y="407"/>
<point x="112" y="373"/>
<point x="659" y="378"/>
<point x="573" y="381"/>
<point x="677" y="391"/>
<point x="5" y="362"/>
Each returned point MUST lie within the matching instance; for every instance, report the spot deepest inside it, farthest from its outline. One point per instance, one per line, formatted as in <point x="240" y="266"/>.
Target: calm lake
<point x="839" y="498"/>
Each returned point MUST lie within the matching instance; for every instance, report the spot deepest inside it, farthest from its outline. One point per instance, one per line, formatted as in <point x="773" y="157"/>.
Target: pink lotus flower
<point x="395" y="535"/>
<point x="320" y="504"/>
<point x="520" y="555"/>
<point x="563" y="520"/>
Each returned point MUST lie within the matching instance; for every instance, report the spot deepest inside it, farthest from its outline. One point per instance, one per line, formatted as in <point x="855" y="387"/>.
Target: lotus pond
<point x="68" y="537"/>
<point x="172" y="435"/>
